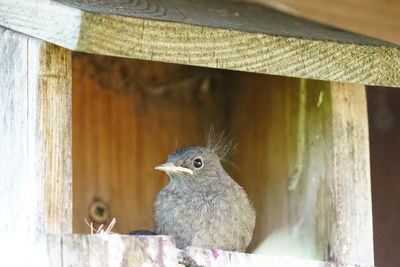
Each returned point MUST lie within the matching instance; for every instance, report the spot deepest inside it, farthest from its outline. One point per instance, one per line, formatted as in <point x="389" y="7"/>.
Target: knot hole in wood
<point x="99" y="211"/>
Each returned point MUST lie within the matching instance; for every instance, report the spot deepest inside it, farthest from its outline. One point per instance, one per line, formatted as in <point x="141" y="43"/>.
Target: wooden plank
<point x="313" y="199"/>
<point x="35" y="169"/>
<point x="112" y="250"/>
<point x="42" y="19"/>
<point x="378" y="19"/>
<point x="54" y="128"/>
<point x="126" y="121"/>
<point x="234" y="39"/>
<point x="353" y="233"/>
<point x="224" y="14"/>
<point x="118" y="250"/>
<point x="218" y="258"/>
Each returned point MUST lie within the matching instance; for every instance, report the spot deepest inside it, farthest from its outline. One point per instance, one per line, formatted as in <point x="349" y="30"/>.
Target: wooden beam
<point x="118" y="250"/>
<point x="224" y="35"/>
<point x="308" y="173"/>
<point x="223" y="14"/>
<point x="35" y="167"/>
<point x="351" y="204"/>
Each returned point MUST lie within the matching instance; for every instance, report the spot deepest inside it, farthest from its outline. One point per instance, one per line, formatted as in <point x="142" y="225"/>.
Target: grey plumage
<point x="203" y="206"/>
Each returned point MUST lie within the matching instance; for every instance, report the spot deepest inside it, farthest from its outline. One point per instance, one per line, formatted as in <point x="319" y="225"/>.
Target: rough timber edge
<point x="122" y="250"/>
<point x="46" y="20"/>
<point x="180" y="43"/>
<point x="224" y="14"/>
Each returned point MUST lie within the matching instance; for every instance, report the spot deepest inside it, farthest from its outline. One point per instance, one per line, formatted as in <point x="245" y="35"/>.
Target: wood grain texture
<point x="228" y="49"/>
<point x="116" y="250"/>
<point x="351" y="176"/>
<point x="227" y="39"/>
<point x="128" y="115"/>
<point x="328" y="213"/>
<point x="36" y="143"/>
<point x="378" y="19"/>
<point x="45" y="20"/>
<point x="111" y="250"/>
<point x="54" y="126"/>
<point x="223" y="14"/>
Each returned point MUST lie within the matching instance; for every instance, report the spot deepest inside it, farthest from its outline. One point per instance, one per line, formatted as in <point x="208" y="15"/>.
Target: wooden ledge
<point x="224" y="14"/>
<point x="121" y="250"/>
<point x="216" y="34"/>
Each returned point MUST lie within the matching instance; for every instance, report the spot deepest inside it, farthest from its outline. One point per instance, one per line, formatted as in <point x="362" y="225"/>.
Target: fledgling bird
<point x="202" y="206"/>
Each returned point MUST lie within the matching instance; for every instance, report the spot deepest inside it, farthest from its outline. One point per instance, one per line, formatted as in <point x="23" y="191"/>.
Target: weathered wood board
<point x="127" y="251"/>
<point x="35" y="129"/>
<point x="224" y="14"/>
<point x="223" y="35"/>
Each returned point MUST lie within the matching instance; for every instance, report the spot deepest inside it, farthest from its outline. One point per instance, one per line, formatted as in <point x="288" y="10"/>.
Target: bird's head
<point x="192" y="163"/>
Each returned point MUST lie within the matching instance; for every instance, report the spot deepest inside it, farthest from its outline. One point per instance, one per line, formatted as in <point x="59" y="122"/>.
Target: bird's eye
<point x="198" y="163"/>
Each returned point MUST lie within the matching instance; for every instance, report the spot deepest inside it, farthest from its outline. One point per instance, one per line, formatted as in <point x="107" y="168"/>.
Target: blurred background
<point x="384" y="125"/>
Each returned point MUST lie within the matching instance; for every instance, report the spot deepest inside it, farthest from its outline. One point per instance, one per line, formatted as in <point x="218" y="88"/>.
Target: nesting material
<point x="100" y="230"/>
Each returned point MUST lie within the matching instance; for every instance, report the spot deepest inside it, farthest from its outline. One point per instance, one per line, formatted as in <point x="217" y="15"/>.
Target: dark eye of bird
<point x="197" y="163"/>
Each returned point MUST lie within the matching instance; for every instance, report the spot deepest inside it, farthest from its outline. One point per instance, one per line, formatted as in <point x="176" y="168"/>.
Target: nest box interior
<point x="128" y="115"/>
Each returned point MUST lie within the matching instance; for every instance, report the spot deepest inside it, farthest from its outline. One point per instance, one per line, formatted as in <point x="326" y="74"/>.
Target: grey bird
<point x="202" y="206"/>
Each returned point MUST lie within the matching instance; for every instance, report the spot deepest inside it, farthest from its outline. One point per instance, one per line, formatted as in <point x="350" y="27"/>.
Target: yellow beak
<point x="169" y="167"/>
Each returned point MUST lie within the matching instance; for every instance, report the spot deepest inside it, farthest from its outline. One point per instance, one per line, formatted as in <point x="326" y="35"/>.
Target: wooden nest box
<point x="88" y="110"/>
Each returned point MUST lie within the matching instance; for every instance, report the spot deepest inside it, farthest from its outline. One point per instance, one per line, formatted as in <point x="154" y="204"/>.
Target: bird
<point x="202" y="206"/>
